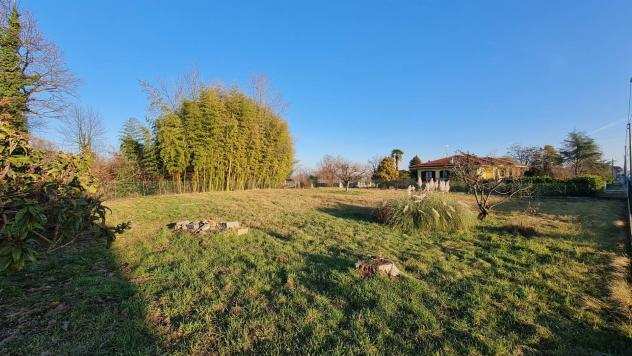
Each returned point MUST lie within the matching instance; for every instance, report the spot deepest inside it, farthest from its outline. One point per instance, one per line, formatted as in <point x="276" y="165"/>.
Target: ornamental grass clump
<point x="427" y="213"/>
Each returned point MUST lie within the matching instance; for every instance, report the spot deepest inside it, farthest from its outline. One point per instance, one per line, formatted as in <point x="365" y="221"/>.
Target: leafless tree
<point x="337" y="169"/>
<point x="488" y="192"/>
<point x="42" y="144"/>
<point x="167" y="95"/>
<point x="374" y="162"/>
<point x="526" y="155"/>
<point x="264" y="95"/>
<point x="82" y="129"/>
<point x="348" y="172"/>
<point x="41" y="59"/>
<point x="326" y="169"/>
<point x="302" y="177"/>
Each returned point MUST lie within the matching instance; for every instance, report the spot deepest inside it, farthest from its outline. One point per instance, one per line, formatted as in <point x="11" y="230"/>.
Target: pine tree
<point x="13" y="81"/>
<point x="413" y="162"/>
<point x="581" y="152"/>
<point x="132" y="140"/>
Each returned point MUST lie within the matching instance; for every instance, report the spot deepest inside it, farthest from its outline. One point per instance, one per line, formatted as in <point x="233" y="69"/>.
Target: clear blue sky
<point x="363" y="77"/>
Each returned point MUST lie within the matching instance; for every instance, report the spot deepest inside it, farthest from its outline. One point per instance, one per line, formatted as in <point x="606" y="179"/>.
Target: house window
<point x="428" y="175"/>
<point x="444" y="174"/>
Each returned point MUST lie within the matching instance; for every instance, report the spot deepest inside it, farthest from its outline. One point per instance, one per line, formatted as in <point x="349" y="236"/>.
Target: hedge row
<point x="578" y="186"/>
<point x="547" y="186"/>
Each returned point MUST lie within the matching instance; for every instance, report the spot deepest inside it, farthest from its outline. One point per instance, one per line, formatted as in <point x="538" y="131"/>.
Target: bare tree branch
<point x="82" y="129"/>
<point x="265" y="96"/>
<point x="167" y="95"/>
<point x="468" y="169"/>
<point x="332" y="169"/>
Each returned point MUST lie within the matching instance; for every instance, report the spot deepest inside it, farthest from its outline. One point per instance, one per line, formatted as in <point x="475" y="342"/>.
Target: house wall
<point x="427" y="173"/>
<point x="486" y="172"/>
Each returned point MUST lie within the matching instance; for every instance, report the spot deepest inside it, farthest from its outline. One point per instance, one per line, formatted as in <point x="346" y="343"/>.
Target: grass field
<point x="289" y="285"/>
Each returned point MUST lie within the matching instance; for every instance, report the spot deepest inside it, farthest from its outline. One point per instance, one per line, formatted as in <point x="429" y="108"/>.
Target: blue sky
<point x="364" y="77"/>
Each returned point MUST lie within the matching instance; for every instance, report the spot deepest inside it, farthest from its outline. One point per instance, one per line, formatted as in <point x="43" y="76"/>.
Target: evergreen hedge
<point x="588" y="185"/>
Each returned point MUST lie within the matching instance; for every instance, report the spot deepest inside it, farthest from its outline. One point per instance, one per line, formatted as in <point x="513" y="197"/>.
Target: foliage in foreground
<point x="44" y="201"/>
<point x="428" y="213"/>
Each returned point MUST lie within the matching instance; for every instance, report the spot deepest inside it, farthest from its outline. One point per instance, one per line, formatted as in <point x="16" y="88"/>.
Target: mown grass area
<point x="290" y="285"/>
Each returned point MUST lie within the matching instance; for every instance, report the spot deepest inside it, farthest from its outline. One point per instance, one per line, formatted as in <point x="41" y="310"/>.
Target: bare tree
<point x="468" y="169"/>
<point x="42" y="144"/>
<point x="348" y="172"/>
<point x="337" y="169"/>
<point x="167" y="95"/>
<point x="41" y="60"/>
<point x="82" y="129"/>
<point x="264" y="95"/>
<point x="326" y="169"/>
<point x="526" y="155"/>
<point x="374" y="162"/>
<point x="302" y="177"/>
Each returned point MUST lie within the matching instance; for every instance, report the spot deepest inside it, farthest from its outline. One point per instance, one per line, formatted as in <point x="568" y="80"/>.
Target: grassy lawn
<point x="289" y="285"/>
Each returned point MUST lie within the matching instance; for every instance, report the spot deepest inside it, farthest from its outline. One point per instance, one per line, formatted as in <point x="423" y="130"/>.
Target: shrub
<point x="578" y="186"/>
<point x="386" y="170"/>
<point x="429" y="213"/>
<point x="45" y="200"/>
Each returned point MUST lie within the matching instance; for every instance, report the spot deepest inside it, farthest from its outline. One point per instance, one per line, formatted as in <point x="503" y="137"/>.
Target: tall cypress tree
<point x="13" y="81"/>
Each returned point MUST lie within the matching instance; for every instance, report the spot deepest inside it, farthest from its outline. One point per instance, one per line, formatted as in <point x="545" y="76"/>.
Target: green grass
<point x="290" y="285"/>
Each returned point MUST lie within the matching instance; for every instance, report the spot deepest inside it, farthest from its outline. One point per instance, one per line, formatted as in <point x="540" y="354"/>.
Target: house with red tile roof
<point x="490" y="167"/>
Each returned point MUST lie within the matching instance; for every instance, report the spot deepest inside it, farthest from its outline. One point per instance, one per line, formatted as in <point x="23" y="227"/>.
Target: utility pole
<point x="625" y="164"/>
<point x="628" y="151"/>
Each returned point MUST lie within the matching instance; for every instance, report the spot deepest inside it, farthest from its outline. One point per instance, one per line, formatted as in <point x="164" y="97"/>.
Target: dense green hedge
<point x="547" y="186"/>
<point x="578" y="186"/>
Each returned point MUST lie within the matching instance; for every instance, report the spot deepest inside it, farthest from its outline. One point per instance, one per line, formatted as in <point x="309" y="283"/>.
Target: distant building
<point x="328" y="183"/>
<point x="338" y="184"/>
<point x="490" y="167"/>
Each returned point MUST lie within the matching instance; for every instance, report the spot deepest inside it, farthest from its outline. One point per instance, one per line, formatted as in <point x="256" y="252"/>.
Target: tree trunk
<point x="483" y="213"/>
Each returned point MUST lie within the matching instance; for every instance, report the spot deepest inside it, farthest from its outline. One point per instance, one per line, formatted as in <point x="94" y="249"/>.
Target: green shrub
<point x="578" y="186"/>
<point x="433" y="212"/>
<point x="45" y="201"/>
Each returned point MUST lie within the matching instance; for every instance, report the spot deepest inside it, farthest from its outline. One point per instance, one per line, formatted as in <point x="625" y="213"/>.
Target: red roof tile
<point x="449" y="161"/>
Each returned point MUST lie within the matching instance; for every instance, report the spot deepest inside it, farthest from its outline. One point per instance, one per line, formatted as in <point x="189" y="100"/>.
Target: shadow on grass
<point x="278" y="234"/>
<point x="600" y="237"/>
<point x="350" y="212"/>
<point x="75" y="301"/>
<point x="545" y="205"/>
<point x="511" y="229"/>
